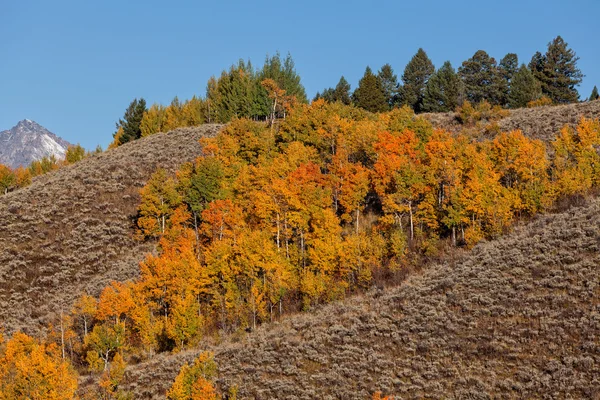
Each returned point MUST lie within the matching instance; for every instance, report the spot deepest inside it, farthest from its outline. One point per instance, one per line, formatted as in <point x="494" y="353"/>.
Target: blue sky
<point x="74" y="66"/>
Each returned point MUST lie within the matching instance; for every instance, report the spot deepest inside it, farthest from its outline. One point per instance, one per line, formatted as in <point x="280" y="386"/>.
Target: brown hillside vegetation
<point x="516" y="318"/>
<point x="69" y="232"/>
<point x="537" y="123"/>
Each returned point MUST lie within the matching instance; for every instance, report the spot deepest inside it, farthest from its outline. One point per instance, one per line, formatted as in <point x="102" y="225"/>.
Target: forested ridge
<point x="290" y="206"/>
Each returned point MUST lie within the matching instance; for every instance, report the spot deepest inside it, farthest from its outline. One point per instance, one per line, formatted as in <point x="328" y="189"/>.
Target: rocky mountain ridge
<point x="29" y="141"/>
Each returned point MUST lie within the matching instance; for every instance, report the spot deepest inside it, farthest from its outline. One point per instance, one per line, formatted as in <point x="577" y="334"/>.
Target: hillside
<point x="538" y="123"/>
<point x="69" y="232"/>
<point x="517" y="318"/>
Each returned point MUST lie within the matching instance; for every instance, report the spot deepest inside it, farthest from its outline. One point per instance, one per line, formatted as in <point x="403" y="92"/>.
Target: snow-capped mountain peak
<point x="28" y="141"/>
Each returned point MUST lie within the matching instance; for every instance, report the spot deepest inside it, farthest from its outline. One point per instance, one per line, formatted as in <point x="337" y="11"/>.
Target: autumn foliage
<point x="196" y="382"/>
<point x="274" y="219"/>
<point x="33" y="370"/>
<point x="269" y="221"/>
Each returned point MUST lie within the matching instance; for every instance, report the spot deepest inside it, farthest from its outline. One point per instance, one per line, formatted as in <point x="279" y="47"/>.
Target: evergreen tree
<point x="536" y="65"/>
<point x="482" y="79"/>
<point x="285" y="75"/>
<point x="212" y="100"/>
<point x="594" y="95"/>
<point x="130" y="124"/>
<point x="234" y="95"/>
<point x="524" y="88"/>
<point x="389" y="82"/>
<point x="509" y="65"/>
<point x="444" y="90"/>
<point x="341" y="92"/>
<point x="557" y="72"/>
<point x="369" y="94"/>
<point x="328" y="95"/>
<point x="415" y="77"/>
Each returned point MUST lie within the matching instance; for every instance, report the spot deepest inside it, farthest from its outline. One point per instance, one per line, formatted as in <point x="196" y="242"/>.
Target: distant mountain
<point x="29" y="141"/>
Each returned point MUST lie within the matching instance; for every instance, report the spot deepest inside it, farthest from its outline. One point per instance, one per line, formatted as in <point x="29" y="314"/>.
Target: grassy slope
<point x="517" y="317"/>
<point x="539" y="123"/>
<point x="70" y="232"/>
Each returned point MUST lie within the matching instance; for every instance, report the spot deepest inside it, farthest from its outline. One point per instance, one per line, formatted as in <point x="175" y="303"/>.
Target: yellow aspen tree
<point x="159" y="200"/>
<point x="153" y="120"/>
<point x="84" y="309"/>
<point x="276" y="95"/>
<point x="33" y="370"/>
<point x="196" y="382"/>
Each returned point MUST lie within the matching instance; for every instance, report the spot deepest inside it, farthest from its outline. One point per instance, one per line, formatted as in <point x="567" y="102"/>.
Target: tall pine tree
<point x="285" y="75"/>
<point x="594" y="95"/>
<point x="389" y="82"/>
<point x="326" y="94"/>
<point x="482" y="78"/>
<point x="369" y="94"/>
<point x="524" y="88"/>
<point x="444" y="90"/>
<point x="415" y="77"/>
<point x="341" y="92"/>
<point x="128" y="128"/>
<point x="509" y="65"/>
<point x="557" y="72"/>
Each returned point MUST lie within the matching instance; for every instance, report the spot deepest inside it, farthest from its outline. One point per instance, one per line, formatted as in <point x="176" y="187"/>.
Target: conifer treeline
<point x="480" y="78"/>
<point x="240" y="92"/>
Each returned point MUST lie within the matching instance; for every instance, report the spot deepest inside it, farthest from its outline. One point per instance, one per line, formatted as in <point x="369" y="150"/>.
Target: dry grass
<point x="70" y="232"/>
<point x="516" y="318"/>
<point x="538" y="123"/>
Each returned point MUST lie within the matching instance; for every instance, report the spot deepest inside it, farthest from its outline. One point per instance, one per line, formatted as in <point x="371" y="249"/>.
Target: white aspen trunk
<point x="196" y="228"/>
<point x="287" y="245"/>
<point x="454" y="235"/>
<point x="302" y="247"/>
<point x="162" y="203"/>
<point x="412" y="235"/>
<point x="62" y="335"/>
<point x="278" y="233"/>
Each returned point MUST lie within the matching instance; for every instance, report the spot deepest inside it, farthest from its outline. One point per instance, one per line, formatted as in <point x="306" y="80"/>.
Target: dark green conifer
<point x="369" y="94"/>
<point x="389" y="82"/>
<point x="509" y="65"/>
<point x="482" y="79"/>
<point x="415" y="77"/>
<point x="594" y="95"/>
<point x="444" y="90"/>
<point x="285" y="75"/>
<point x="236" y="94"/>
<point x="557" y="72"/>
<point x="524" y="88"/>
<point x="327" y="95"/>
<point x="341" y="92"/>
<point x="131" y="121"/>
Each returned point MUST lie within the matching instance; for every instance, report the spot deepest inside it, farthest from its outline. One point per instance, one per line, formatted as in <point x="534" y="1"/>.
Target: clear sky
<point x="74" y="66"/>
